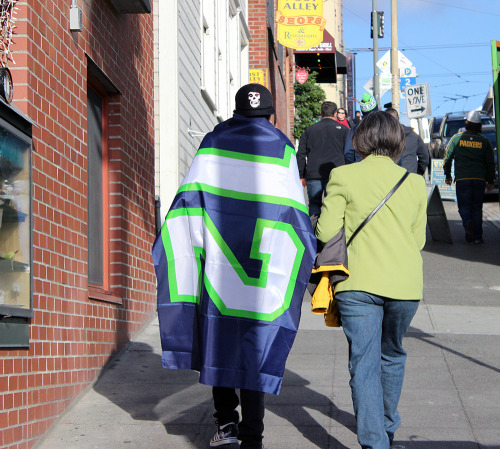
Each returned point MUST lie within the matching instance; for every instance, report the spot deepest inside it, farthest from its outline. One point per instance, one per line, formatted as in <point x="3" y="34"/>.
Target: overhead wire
<point x="435" y="62"/>
<point x="423" y="47"/>
<point x="459" y="7"/>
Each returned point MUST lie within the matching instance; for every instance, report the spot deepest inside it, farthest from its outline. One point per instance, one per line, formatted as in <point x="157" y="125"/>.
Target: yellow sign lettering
<point x="300" y="23"/>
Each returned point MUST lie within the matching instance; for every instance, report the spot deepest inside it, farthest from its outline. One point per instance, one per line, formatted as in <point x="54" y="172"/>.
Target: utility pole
<point x="394" y="55"/>
<point x="376" y="83"/>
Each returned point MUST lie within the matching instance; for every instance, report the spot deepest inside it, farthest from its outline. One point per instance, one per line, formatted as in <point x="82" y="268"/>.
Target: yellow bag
<point x="324" y="303"/>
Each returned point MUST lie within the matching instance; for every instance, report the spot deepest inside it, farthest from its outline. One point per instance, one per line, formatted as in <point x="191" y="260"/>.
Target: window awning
<point x="326" y="46"/>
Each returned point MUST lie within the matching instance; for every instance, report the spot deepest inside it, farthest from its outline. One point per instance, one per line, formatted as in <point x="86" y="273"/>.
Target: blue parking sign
<point x="407" y="81"/>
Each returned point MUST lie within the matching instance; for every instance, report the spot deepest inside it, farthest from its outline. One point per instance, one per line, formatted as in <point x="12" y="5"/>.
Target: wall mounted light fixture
<point x="75" y="17"/>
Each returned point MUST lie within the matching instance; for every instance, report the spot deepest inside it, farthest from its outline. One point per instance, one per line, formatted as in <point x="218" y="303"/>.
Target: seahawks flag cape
<point x="234" y="257"/>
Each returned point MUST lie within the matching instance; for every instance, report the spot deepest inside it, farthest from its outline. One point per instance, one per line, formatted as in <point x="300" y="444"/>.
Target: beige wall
<point x="334" y="25"/>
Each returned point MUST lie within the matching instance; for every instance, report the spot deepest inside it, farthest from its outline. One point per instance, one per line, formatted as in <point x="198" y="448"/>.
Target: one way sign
<point x="418" y="103"/>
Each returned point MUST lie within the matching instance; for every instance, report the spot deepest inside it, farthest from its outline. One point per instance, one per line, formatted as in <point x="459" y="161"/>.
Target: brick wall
<point x="263" y="55"/>
<point x="257" y="22"/>
<point x="71" y="335"/>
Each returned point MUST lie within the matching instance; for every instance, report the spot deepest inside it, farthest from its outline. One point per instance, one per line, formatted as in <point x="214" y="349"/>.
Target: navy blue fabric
<point x="247" y="135"/>
<point x="231" y="351"/>
<point x="350" y="155"/>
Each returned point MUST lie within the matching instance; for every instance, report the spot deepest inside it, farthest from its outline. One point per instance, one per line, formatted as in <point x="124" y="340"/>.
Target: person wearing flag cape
<point x="232" y="260"/>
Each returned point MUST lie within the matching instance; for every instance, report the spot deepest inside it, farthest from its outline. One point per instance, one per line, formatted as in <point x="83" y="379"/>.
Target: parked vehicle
<point x="450" y="125"/>
<point x="434" y="124"/>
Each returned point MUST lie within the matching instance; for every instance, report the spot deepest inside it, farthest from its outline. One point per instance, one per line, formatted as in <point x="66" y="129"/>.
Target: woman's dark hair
<point x="381" y="134"/>
<point x="473" y="127"/>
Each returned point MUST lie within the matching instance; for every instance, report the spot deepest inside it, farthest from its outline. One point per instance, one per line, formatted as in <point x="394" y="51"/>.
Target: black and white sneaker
<point x="226" y="437"/>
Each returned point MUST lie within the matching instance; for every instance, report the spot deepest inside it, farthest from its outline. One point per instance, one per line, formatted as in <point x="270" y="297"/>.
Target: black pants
<point x="470" y="194"/>
<point x="251" y="427"/>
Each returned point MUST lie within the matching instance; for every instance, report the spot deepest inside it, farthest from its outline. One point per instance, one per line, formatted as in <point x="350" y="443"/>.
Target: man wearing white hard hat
<point x="474" y="171"/>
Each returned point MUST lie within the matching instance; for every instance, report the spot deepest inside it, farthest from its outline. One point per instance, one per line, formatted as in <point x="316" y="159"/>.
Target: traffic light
<point x="380" y="17"/>
<point x="380" y="24"/>
<point x="318" y="59"/>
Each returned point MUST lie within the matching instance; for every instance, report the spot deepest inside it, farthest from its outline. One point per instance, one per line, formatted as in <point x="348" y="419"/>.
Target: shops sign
<point x="300" y="23"/>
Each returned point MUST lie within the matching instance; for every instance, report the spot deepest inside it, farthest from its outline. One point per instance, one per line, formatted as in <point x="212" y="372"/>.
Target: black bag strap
<point x="367" y="219"/>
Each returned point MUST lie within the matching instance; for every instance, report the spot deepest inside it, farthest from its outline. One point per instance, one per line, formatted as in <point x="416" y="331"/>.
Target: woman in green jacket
<point x="381" y="296"/>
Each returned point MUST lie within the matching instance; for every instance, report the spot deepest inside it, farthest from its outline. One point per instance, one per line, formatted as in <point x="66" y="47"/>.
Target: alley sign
<point x="418" y="102"/>
<point x="300" y="23"/>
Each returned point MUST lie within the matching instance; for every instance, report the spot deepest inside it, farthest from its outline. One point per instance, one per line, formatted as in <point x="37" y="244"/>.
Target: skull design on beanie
<point x="254" y="100"/>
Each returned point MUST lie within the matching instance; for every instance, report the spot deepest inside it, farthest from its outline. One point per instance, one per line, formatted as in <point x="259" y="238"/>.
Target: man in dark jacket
<point x="321" y="148"/>
<point x="415" y="157"/>
<point x="474" y="171"/>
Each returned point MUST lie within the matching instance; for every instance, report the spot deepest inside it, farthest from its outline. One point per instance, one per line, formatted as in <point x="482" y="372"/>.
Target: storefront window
<point x="15" y="222"/>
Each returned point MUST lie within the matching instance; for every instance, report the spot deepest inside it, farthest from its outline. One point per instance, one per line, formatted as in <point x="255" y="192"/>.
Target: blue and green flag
<point x="234" y="257"/>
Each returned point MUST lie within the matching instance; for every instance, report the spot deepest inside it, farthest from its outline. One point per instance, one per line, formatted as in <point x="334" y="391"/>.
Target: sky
<point x="448" y="42"/>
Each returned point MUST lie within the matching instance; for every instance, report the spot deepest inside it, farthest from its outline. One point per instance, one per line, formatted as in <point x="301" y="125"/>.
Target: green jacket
<point x="473" y="156"/>
<point x="384" y="258"/>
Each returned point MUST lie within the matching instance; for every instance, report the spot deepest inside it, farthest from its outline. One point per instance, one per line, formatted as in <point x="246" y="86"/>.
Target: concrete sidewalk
<point x="451" y="398"/>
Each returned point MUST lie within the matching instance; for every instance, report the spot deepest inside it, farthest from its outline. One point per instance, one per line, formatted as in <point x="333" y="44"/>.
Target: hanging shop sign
<point x="300" y="23"/>
<point x="301" y="76"/>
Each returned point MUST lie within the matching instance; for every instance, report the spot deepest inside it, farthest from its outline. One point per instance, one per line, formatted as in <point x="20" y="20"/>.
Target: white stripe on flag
<point x="247" y="177"/>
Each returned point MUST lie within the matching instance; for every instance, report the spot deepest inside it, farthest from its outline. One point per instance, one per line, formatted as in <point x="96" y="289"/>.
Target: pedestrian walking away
<point x="474" y="171"/>
<point x="232" y="261"/>
<point x="415" y="157"/>
<point x="321" y="148"/>
<point x="380" y="297"/>
<point x="367" y="105"/>
<point x="357" y="118"/>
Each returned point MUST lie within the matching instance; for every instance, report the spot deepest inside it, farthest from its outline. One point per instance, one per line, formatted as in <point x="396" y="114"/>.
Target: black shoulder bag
<point x="332" y="315"/>
<point x="367" y="219"/>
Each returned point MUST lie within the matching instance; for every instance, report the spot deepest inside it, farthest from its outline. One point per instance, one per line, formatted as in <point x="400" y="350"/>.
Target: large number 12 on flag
<point x="275" y="243"/>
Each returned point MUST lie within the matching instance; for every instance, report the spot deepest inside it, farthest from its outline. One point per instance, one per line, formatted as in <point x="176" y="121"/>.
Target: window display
<point x="15" y="223"/>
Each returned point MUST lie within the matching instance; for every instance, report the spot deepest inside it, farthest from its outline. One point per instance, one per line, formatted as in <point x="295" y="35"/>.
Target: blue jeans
<point x="470" y="195"/>
<point x="375" y="327"/>
<point x="315" y="190"/>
